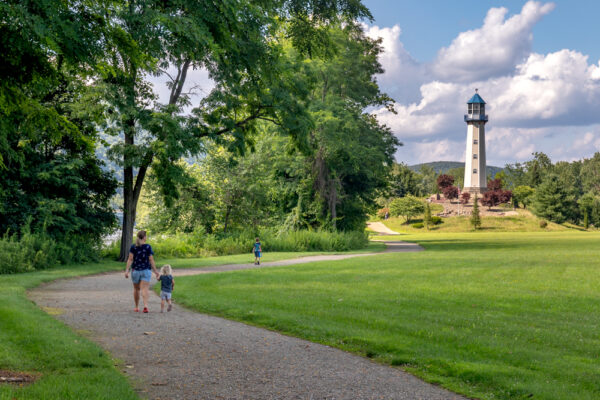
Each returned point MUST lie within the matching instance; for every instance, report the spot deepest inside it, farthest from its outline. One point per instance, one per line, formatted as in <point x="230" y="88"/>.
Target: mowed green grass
<point x="69" y="366"/>
<point x="525" y="221"/>
<point x="489" y="315"/>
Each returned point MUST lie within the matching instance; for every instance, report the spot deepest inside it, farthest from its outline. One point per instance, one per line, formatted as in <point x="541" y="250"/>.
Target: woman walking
<point x="141" y="260"/>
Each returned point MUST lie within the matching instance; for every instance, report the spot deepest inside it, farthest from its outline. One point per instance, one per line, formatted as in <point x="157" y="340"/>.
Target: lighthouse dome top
<point x="476" y="99"/>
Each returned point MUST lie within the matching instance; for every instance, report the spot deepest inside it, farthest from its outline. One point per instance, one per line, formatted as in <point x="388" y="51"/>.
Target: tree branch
<point x="179" y="82"/>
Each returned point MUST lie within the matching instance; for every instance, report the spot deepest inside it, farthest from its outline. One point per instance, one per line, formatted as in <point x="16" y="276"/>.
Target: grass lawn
<point x="524" y="222"/>
<point x="491" y="315"/>
<point x="68" y="365"/>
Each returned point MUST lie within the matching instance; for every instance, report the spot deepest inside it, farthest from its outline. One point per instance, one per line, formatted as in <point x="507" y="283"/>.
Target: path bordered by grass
<point x="492" y="316"/>
<point x="68" y="365"/>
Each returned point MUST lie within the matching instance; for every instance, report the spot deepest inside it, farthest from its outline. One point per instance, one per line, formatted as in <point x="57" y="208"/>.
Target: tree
<point x="494" y="184"/>
<point x="404" y="181"/>
<point x="465" y="197"/>
<point x="586" y="204"/>
<point x="514" y="175"/>
<point x="537" y="169"/>
<point x="450" y="192"/>
<point x="590" y="174"/>
<point x="427" y="216"/>
<point x="444" y="181"/>
<point x="505" y="196"/>
<point x="551" y="201"/>
<point x="408" y="207"/>
<point x="459" y="176"/>
<point x="350" y="154"/>
<point x="475" y="216"/>
<point x="523" y="195"/>
<point x="239" y="46"/>
<point x="490" y="199"/>
<point x="426" y="180"/>
<point x="51" y="179"/>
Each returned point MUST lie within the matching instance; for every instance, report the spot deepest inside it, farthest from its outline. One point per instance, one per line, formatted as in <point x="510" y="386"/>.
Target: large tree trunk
<point x="131" y="193"/>
<point x="227" y="212"/>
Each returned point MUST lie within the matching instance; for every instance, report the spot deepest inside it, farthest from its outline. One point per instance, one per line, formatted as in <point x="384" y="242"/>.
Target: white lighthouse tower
<point x="475" y="167"/>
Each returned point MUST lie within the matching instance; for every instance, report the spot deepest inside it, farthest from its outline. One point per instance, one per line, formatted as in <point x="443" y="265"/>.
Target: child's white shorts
<point x="165" y="295"/>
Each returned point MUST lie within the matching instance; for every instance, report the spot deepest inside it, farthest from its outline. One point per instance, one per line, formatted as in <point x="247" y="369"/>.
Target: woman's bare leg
<point x="136" y="294"/>
<point x="144" y="286"/>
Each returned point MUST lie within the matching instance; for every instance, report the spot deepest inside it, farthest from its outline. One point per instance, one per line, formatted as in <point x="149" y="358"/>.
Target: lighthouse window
<point x="482" y="109"/>
<point x="475" y="156"/>
<point x="475" y="141"/>
<point x="475" y="108"/>
<point x="470" y="108"/>
<point x="475" y="171"/>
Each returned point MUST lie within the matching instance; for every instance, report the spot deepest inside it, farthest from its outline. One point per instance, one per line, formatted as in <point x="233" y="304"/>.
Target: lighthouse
<point x="475" y="167"/>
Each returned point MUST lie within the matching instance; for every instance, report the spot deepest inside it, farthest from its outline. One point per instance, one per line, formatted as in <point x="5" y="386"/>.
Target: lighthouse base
<point x="475" y="190"/>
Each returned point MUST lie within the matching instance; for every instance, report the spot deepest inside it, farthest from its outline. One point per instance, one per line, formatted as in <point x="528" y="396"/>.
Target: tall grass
<point x="37" y="251"/>
<point x="199" y="244"/>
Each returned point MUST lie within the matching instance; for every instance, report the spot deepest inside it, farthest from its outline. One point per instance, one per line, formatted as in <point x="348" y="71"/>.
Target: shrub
<point x="436" y="220"/>
<point x="28" y="253"/>
<point x="444" y="181"/>
<point x="382" y="212"/>
<point x="465" y="197"/>
<point x="450" y="192"/>
<point x="543" y="223"/>
<point x="200" y="244"/>
<point x="408" y="207"/>
<point x="418" y="225"/>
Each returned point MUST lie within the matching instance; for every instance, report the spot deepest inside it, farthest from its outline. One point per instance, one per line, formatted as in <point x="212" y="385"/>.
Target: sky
<point x="535" y="63"/>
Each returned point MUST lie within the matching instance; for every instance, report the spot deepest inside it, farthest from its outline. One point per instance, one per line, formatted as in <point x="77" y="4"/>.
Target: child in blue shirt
<point x="257" y="249"/>
<point x="167" y="283"/>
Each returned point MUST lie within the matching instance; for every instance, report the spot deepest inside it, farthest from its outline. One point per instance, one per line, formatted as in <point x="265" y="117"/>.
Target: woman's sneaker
<point x="145" y="310"/>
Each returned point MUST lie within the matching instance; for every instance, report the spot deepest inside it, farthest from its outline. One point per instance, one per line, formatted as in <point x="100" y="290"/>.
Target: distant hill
<point x="442" y="167"/>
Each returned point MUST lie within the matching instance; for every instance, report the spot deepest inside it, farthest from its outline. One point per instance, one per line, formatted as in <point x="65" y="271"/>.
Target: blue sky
<point x="534" y="62"/>
<point x="428" y="25"/>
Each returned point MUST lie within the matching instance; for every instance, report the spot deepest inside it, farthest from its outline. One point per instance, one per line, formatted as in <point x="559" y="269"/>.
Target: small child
<point x="257" y="249"/>
<point x="167" y="283"/>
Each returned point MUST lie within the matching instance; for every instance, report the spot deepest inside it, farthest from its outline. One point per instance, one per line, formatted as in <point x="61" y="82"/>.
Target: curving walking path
<point x="187" y="355"/>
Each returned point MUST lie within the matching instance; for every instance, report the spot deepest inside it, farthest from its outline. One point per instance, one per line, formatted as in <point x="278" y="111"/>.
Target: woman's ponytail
<point x="140" y="236"/>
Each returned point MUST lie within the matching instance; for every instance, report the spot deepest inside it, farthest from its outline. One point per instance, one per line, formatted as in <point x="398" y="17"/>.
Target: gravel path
<point x="380" y="228"/>
<point x="187" y="355"/>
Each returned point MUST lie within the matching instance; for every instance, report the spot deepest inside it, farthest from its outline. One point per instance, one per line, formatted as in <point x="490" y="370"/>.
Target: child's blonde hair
<point x="166" y="270"/>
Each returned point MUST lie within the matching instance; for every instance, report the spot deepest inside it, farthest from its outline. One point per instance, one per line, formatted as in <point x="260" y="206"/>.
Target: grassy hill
<point x="441" y="167"/>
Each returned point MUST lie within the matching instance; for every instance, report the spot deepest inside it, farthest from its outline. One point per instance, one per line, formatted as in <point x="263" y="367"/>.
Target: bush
<point x="436" y="220"/>
<point x="543" y="224"/>
<point x="28" y="253"/>
<point x="200" y="244"/>
<point x="418" y="225"/>
<point x="382" y="212"/>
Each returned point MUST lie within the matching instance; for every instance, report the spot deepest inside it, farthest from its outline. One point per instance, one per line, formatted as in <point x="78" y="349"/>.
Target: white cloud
<point x="434" y="150"/>
<point x="403" y="74"/>
<point x="492" y="50"/>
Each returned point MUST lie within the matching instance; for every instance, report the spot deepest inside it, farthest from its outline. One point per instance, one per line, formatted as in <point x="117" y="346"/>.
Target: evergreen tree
<point x="551" y="201"/>
<point x="475" y="216"/>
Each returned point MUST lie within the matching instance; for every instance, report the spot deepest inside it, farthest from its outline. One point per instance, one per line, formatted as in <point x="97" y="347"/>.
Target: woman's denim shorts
<point x="141" y="275"/>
